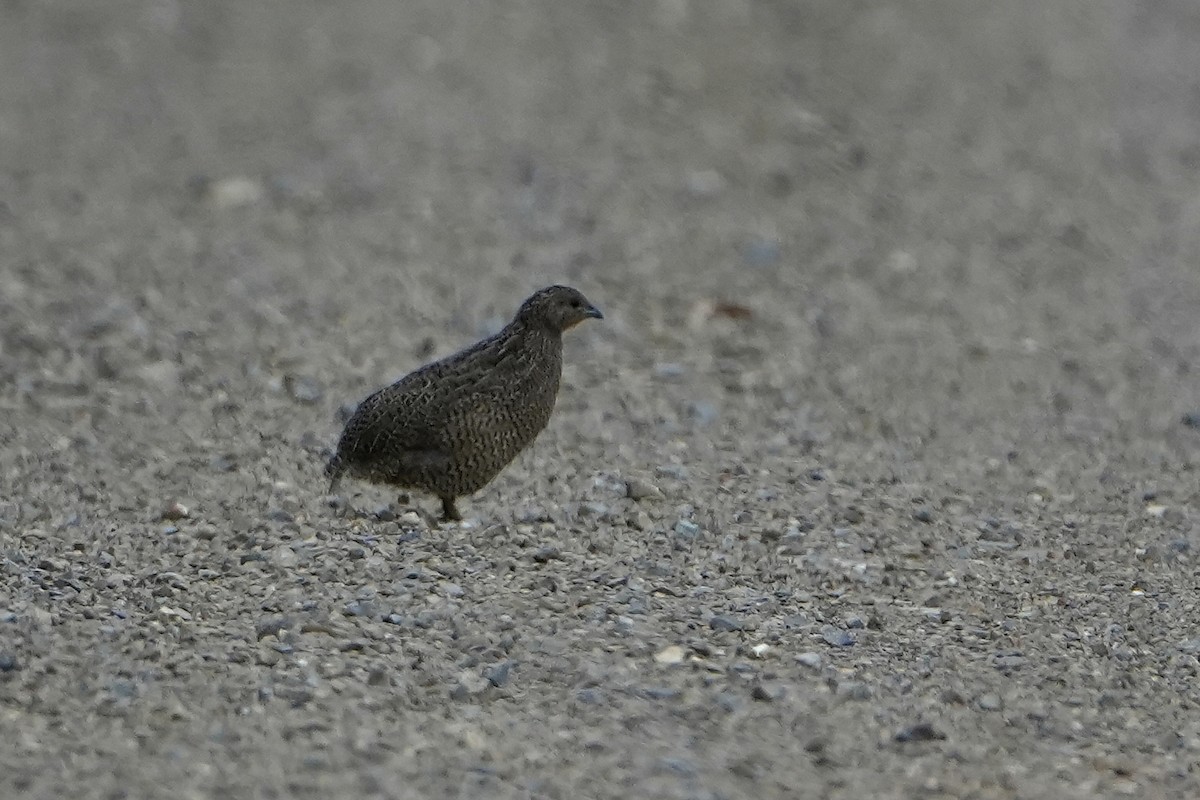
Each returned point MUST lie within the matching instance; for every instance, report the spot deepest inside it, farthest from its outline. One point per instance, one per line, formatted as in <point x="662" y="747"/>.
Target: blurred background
<point x="880" y="224"/>
<point x="897" y="178"/>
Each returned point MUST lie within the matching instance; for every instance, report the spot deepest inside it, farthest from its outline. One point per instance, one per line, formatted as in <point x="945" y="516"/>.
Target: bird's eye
<point x="576" y="304"/>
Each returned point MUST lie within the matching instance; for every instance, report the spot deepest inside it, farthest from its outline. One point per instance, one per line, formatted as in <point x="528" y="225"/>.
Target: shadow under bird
<point x="450" y="427"/>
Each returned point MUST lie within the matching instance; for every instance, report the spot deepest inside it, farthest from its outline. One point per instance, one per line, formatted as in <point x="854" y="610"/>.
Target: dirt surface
<point x="874" y="481"/>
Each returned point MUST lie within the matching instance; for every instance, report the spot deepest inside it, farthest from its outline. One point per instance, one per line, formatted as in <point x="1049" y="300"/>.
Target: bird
<point x="451" y="426"/>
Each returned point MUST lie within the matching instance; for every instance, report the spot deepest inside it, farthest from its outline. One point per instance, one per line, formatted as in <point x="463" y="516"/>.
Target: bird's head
<point x="557" y="308"/>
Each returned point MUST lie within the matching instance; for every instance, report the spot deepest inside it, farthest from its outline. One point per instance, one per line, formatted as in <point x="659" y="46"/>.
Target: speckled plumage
<point x="450" y="427"/>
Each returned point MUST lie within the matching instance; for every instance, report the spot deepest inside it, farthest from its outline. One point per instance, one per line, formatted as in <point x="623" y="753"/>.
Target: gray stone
<point x="303" y="389"/>
<point x="810" y="659"/>
<point x="639" y="489"/>
<point x="990" y="702"/>
<point x="499" y="674"/>
<point x="469" y="685"/>
<point x="919" y="732"/>
<point x="837" y="637"/>
<point x="723" y="623"/>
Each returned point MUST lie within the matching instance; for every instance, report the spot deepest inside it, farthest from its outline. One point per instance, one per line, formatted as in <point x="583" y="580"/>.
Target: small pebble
<point x="704" y="412"/>
<point x="124" y="689"/>
<point x="546" y="553"/>
<point x="795" y="622"/>
<point x="222" y="463"/>
<point x="726" y="624"/>
<point x="167" y="612"/>
<point x="640" y="520"/>
<point x="231" y="193"/>
<point x="687" y="528"/>
<point x="670" y="655"/>
<point x="279" y="515"/>
<point x="1008" y="661"/>
<point x="669" y="370"/>
<point x="836" y="637"/>
<point x="704" y="184"/>
<point x="675" y="471"/>
<point x="638" y="489"/>
<point x="590" y="508"/>
<point x="175" y="511"/>
<point x="854" y="690"/>
<point x="303" y="389"/>
<point x="470" y="684"/>
<point x="590" y="697"/>
<point x="531" y="514"/>
<point x="920" y="732"/>
<point x="680" y="766"/>
<point x="272" y="626"/>
<point x="359" y="608"/>
<point x="810" y="659"/>
<point x="990" y="702"/>
<point x="498" y="674"/>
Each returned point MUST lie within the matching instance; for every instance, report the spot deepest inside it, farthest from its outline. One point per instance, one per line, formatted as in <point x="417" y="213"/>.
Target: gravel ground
<point x="877" y="480"/>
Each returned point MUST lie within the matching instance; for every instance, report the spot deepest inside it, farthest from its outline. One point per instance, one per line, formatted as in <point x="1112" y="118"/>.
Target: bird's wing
<point x="394" y="424"/>
<point x="402" y="427"/>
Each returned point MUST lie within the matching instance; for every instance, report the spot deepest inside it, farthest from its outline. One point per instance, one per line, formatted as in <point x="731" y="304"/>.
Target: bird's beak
<point x="593" y="312"/>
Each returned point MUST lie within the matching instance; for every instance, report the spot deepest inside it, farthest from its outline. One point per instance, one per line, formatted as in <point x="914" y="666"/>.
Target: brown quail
<point x="451" y="426"/>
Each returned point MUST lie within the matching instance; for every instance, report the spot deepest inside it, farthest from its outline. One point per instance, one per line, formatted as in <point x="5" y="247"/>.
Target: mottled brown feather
<point x="450" y="427"/>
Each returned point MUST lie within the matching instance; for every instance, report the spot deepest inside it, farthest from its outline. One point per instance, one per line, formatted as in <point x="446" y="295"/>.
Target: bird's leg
<point x="339" y="505"/>
<point x="449" y="510"/>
